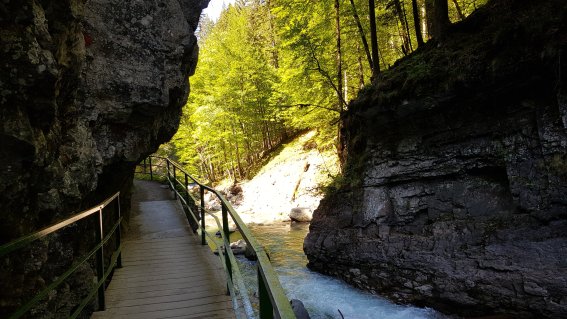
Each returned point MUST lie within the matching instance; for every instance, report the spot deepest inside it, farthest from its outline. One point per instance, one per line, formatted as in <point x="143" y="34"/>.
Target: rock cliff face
<point x="87" y="89"/>
<point x="455" y="188"/>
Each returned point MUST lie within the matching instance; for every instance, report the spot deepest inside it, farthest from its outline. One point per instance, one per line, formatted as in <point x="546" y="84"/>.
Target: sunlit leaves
<point x="267" y="68"/>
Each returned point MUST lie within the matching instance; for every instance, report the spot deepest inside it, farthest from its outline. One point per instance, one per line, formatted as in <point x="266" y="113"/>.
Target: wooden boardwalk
<point x="166" y="272"/>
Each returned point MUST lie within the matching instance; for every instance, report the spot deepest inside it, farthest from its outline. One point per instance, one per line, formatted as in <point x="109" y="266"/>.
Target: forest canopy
<point x="269" y="69"/>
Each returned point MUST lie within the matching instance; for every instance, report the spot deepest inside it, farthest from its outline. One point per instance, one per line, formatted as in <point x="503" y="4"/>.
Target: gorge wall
<point x="455" y="186"/>
<point x="87" y="89"/>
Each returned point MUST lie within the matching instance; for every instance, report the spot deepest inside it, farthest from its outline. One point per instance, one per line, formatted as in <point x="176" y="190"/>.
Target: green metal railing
<point x="273" y="303"/>
<point x="98" y="250"/>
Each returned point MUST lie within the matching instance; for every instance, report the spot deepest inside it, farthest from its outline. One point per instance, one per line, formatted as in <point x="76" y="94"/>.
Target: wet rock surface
<point x="457" y="182"/>
<point x="87" y="89"/>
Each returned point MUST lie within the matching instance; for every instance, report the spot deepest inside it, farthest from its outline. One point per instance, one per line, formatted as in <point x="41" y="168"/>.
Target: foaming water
<point x="323" y="296"/>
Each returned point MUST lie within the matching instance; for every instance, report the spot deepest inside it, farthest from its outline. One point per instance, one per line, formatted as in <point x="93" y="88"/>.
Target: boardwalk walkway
<point x="166" y="272"/>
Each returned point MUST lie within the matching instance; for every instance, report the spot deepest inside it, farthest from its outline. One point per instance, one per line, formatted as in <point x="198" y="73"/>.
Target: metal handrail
<point x="273" y="301"/>
<point x="224" y="260"/>
<point x="98" y="250"/>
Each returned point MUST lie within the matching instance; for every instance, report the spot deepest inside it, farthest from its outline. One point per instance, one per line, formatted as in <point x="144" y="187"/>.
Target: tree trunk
<point x="230" y="176"/>
<point x="417" y="23"/>
<point x="373" y="39"/>
<point x="269" y="143"/>
<point x="212" y="168"/>
<point x="361" y="31"/>
<point x="437" y="12"/>
<point x="423" y="15"/>
<point x="406" y="46"/>
<point x="459" y="11"/>
<point x="237" y="149"/>
<point x="249" y="153"/>
<point x="346" y="86"/>
<point x="206" y="165"/>
<point x="275" y="54"/>
<point x="339" y="54"/>
<point x="361" y="68"/>
<point x="407" y="26"/>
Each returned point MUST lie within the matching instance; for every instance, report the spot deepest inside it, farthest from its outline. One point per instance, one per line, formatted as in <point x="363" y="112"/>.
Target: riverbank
<point x="293" y="178"/>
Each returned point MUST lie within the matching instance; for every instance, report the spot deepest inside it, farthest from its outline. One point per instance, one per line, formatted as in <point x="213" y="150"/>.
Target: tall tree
<point x="361" y="32"/>
<point x="417" y="23"/>
<point x="406" y="24"/>
<point x="275" y="54"/>
<point x="373" y="39"/>
<point x="269" y="68"/>
<point x="404" y="32"/>
<point x="339" y="54"/>
<point x="437" y="12"/>
<point x="459" y="11"/>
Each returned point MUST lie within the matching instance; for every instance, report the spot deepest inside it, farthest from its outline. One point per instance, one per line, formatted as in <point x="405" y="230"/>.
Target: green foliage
<point x="268" y="69"/>
<point x="351" y="177"/>
<point x="230" y="119"/>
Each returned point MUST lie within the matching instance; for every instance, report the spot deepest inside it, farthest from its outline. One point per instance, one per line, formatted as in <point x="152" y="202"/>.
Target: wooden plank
<point x="164" y="272"/>
<point x="188" y="300"/>
<point x="149" y="252"/>
<point x="158" y="253"/>
<point x="205" y="315"/>
<point x="216" y="314"/>
<point x="161" y="244"/>
<point x="169" y="291"/>
<point x="154" y="268"/>
<point x="173" y="261"/>
<point x="222" y="314"/>
<point x="175" y="308"/>
<point x="128" y="276"/>
<point x="140" y="250"/>
<point x="117" y="297"/>
<point x="190" y="287"/>
<point x="170" y="295"/>
<point x="165" y="276"/>
<point x="144" y="269"/>
<point x="160" y="283"/>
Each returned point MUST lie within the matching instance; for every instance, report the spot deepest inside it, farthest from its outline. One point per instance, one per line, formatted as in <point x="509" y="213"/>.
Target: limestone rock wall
<point x="87" y="89"/>
<point x="455" y="188"/>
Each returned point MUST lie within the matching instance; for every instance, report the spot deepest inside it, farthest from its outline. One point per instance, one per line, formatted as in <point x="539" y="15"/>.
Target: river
<point x="323" y="296"/>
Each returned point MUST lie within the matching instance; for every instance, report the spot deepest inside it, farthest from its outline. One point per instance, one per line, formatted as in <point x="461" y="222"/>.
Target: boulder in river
<point x="299" y="309"/>
<point x="301" y="214"/>
<point x="240" y="247"/>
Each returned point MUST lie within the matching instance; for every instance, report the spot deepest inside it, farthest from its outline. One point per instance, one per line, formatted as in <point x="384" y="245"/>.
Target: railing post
<point x="151" y="171"/>
<point x="174" y="183"/>
<point x="168" y="179"/>
<point x="266" y="308"/>
<point x="100" y="262"/>
<point x="188" y="199"/>
<point x="226" y="240"/>
<point x="202" y="195"/>
<point x="186" y="187"/>
<point x="118" y="233"/>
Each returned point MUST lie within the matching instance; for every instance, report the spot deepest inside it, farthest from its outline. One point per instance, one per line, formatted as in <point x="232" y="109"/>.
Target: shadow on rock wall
<point x="87" y="90"/>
